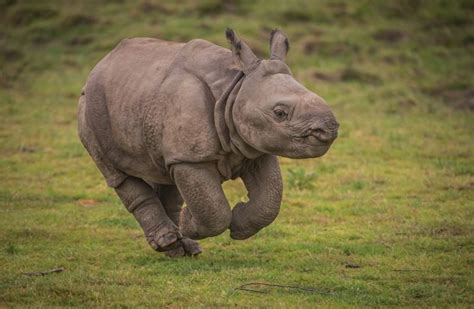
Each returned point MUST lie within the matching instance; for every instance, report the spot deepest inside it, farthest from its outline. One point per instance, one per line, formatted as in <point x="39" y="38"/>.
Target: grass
<point x="386" y="220"/>
<point x="298" y="178"/>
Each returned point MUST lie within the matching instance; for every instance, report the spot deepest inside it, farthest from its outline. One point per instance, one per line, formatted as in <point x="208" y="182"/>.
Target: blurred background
<point x="385" y="218"/>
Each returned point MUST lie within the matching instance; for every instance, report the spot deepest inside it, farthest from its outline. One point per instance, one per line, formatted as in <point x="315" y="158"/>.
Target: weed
<point x="300" y="179"/>
<point x="12" y="249"/>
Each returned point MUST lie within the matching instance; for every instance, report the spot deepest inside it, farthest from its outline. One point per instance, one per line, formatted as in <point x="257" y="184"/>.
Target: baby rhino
<point x="168" y="123"/>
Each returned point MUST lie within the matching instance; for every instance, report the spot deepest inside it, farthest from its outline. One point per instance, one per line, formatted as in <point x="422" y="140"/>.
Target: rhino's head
<point x="275" y="114"/>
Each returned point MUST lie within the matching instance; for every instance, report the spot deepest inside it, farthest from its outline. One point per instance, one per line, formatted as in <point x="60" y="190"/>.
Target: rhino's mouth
<point x="308" y="147"/>
<point x="310" y="139"/>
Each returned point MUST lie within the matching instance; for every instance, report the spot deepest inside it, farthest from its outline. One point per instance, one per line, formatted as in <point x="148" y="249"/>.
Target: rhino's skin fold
<point x="168" y="122"/>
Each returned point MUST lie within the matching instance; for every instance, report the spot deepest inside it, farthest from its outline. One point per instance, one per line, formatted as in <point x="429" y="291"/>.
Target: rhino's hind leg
<point x="173" y="202"/>
<point x="140" y="199"/>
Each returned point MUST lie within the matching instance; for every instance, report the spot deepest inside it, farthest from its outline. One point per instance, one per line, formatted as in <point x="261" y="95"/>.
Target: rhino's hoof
<point x="186" y="247"/>
<point x="165" y="239"/>
<point x="240" y="234"/>
<point x="191" y="247"/>
<point x="176" y="252"/>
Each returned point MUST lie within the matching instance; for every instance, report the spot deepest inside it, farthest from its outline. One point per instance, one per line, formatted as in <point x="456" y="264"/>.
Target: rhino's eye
<point x="281" y="114"/>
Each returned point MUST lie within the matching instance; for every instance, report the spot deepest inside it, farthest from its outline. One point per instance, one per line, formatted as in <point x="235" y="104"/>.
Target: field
<point x="384" y="219"/>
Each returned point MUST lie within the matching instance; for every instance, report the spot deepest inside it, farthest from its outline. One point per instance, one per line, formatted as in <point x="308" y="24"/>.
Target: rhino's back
<point x="131" y="75"/>
<point x="149" y="104"/>
<point x="113" y="107"/>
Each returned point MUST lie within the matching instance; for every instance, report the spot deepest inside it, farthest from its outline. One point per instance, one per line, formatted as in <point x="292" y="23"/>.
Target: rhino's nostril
<point x="319" y="132"/>
<point x="325" y="135"/>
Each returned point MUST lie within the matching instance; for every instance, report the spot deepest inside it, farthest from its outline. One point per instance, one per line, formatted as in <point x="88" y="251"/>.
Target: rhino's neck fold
<point x="228" y="136"/>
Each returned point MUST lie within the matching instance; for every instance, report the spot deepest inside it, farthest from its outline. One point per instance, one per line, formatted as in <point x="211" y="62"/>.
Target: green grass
<point x="394" y="195"/>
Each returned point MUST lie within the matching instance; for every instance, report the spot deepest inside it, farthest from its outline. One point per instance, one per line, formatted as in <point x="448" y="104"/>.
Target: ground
<point x="384" y="219"/>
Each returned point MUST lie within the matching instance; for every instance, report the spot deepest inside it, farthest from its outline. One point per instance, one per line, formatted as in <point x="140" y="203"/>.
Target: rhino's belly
<point x="141" y="166"/>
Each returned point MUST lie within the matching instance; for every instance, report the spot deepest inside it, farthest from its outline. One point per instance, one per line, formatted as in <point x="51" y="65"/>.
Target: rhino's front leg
<point x="140" y="199"/>
<point x="172" y="203"/>
<point x="207" y="213"/>
<point x="262" y="178"/>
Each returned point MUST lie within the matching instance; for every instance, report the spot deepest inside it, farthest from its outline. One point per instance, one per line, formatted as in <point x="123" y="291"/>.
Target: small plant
<point x="11" y="249"/>
<point x="299" y="179"/>
<point x="326" y="168"/>
<point x="358" y="185"/>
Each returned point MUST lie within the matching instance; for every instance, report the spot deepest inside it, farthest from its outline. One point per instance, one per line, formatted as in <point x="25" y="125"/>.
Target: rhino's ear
<point x="243" y="55"/>
<point x="279" y="45"/>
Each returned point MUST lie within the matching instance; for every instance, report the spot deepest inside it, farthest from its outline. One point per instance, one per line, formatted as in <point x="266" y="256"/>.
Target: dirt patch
<point x="7" y="3"/>
<point x="347" y="75"/>
<point x="468" y="39"/>
<point x="460" y="99"/>
<point x="80" y="41"/>
<point x="449" y="21"/>
<point x="28" y="149"/>
<point x="10" y="55"/>
<point x="351" y="265"/>
<point x="12" y="64"/>
<point x="400" y="106"/>
<point x="327" y="77"/>
<point x="401" y="8"/>
<point x="87" y="203"/>
<point x="355" y="75"/>
<point x="77" y="20"/>
<point x="310" y="47"/>
<point x="389" y="35"/>
<point x="440" y="230"/>
<point x="397" y="59"/>
<point x="296" y="15"/>
<point x="339" y="9"/>
<point x="31" y="234"/>
<point x="406" y="104"/>
<point x="214" y="8"/>
<point x="329" y="48"/>
<point x="463" y="187"/>
<point x="457" y="98"/>
<point x="148" y="7"/>
<point x="26" y="15"/>
<point x="447" y="231"/>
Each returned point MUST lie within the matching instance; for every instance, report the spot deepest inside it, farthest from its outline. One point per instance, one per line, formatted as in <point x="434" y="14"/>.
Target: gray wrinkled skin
<point x="167" y="123"/>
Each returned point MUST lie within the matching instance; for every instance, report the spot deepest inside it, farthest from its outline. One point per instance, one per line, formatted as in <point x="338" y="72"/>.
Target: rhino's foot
<point x="240" y="227"/>
<point x="191" y="247"/>
<point x="176" y="252"/>
<point x="239" y="233"/>
<point x="187" y="247"/>
<point x="165" y="238"/>
<point x="194" y="229"/>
